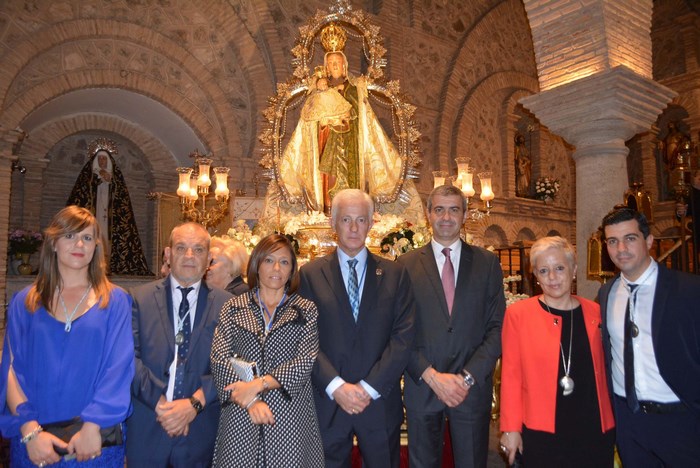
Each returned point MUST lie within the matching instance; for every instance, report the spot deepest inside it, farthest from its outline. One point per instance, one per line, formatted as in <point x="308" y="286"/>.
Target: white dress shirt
<point x="455" y="255"/>
<point x="648" y="383"/>
<point x="176" y="295"/>
<point x="361" y="269"/>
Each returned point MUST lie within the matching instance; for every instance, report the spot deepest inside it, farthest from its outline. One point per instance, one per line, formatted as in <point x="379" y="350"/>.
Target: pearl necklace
<point x="69" y="318"/>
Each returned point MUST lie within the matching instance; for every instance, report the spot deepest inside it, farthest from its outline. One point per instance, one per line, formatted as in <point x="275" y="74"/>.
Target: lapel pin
<point x="556" y="321"/>
<point x="379" y="272"/>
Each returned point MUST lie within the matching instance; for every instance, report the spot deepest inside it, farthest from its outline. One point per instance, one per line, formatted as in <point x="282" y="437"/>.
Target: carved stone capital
<point x="602" y="108"/>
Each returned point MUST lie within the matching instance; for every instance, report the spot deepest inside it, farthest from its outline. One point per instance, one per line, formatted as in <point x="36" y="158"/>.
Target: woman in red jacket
<point x="555" y="406"/>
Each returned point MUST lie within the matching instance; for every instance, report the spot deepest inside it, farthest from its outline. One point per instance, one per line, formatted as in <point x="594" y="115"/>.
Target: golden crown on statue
<point x="102" y="144"/>
<point x="333" y="38"/>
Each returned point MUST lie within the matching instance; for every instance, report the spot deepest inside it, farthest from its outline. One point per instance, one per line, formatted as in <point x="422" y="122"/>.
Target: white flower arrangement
<point x="395" y="236"/>
<point x="546" y="187"/>
<point x="314" y="218"/>
<point x="384" y="224"/>
<point x="241" y="232"/>
<point x="510" y="296"/>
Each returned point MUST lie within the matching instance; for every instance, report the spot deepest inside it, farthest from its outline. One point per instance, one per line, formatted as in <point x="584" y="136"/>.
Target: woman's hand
<point x="243" y="393"/>
<point x="41" y="449"/>
<point x="512" y="441"/>
<point x="87" y="442"/>
<point x="260" y="413"/>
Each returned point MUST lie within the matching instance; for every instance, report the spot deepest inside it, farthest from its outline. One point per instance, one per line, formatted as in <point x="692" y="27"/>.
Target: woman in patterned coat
<point x="269" y="421"/>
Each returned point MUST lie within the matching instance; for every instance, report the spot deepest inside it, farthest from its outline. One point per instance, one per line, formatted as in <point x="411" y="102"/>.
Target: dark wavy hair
<point x="70" y="220"/>
<point x="622" y="214"/>
<point x="265" y="247"/>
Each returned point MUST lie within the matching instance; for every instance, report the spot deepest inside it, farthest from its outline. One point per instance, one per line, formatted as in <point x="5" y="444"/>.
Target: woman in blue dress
<point x="68" y="353"/>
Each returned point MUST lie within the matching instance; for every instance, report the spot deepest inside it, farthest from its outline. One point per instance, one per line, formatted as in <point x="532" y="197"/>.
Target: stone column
<point x="597" y="114"/>
<point x="8" y="139"/>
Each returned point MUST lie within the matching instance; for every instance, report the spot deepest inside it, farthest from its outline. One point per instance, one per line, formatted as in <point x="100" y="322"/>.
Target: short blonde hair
<point x="234" y="251"/>
<point x="552" y="242"/>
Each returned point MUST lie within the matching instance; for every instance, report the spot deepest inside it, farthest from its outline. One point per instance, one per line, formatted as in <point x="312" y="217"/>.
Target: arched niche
<point x="495" y="236"/>
<point x="671" y="125"/>
<point x="66" y="159"/>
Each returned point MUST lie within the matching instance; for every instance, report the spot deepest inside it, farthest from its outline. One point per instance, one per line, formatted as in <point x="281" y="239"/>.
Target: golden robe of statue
<point x="355" y="154"/>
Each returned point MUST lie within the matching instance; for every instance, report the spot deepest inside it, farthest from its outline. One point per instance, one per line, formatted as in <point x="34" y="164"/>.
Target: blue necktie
<point x="179" y="387"/>
<point x="628" y="355"/>
<point x="353" y="288"/>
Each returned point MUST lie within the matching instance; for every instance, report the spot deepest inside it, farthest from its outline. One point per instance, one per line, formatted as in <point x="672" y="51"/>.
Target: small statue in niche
<point x="669" y="148"/>
<point x="523" y="167"/>
<point x="100" y="187"/>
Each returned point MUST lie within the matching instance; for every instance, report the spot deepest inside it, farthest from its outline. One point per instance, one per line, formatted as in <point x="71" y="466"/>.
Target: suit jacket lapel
<point x="201" y="316"/>
<point x="429" y="264"/>
<point x="331" y="271"/>
<point x="164" y="307"/>
<point x="466" y="257"/>
<point x="661" y="294"/>
<point x="373" y="279"/>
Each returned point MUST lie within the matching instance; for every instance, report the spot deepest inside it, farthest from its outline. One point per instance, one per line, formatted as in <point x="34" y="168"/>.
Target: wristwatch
<point x="196" y="404"/>
<point x="468" y="379"/>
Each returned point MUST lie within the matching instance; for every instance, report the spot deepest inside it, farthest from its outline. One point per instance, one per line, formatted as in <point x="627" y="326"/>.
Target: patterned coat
<point x="287" y="353"/>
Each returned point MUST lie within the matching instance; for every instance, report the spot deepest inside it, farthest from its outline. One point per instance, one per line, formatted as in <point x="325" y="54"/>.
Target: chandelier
<point x="194" y="183"/>
<point x="465" y="181"/>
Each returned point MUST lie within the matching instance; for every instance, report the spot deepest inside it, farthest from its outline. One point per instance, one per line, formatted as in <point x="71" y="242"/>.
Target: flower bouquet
<point x="396" y="236"/>
<point x="23" y="241"/>
<point x="546" y="188"/>
<point x="242" y="233"/>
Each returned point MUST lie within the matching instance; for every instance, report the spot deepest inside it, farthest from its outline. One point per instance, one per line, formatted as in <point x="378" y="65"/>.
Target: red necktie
<point x="448" y="279"/>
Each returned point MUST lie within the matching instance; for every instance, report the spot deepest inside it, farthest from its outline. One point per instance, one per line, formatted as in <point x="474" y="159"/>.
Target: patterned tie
<point x="448" y="279"/>
<point x="353" y="289"/>
<point x="179" y="387"/>
<point x="628" y="355"/>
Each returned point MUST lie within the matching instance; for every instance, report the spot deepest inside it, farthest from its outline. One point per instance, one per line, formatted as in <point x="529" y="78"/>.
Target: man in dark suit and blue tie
<point x="176" y="410"/>
<point x="651" y="340"/>
<point x="365" y="328"/>
<point x="460" y="304"/>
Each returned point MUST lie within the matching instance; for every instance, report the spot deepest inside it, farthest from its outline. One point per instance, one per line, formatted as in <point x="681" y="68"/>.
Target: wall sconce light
<point x="465" y="181"/>
<point x="193" y="185"/>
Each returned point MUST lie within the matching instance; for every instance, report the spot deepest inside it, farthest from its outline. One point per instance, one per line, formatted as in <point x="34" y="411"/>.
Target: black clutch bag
<point x="65" y="430"/>
<point x="518" y="462"/>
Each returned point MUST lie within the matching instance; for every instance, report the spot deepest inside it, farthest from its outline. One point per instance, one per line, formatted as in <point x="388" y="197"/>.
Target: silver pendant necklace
<point x="566" y="382"/>
<point x="179" y="338"/>
<point x="180" y="335"/>
<point x="69" y="318"/>
<point x="633" y="298"/>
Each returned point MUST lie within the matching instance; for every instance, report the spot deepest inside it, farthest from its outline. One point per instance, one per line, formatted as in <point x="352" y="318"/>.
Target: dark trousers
<point x="649" y="440"/>
<point x="380" y="447"/>
<point x="469" y="432"/>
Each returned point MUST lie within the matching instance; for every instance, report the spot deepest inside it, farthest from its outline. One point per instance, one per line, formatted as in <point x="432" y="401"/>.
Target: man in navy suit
<point x="458" y="290"/>
<point x="176" y="410"/>
<point x="365" y="328"/>
<point x="651" y="339"/>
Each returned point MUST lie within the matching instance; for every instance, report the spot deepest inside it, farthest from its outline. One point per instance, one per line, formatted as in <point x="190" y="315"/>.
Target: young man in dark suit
<point x="365" y="328"/>
<point x="458" y="290"/>
<point x="176" y="409"/>
<point x="651" y="340"/>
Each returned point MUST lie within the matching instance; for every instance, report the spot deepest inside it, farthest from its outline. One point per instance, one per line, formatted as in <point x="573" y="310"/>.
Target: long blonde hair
<point x="70" y="220"/>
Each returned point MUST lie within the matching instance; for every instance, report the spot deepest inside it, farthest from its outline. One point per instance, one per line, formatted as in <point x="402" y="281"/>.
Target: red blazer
<point x="530" y="366"/>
